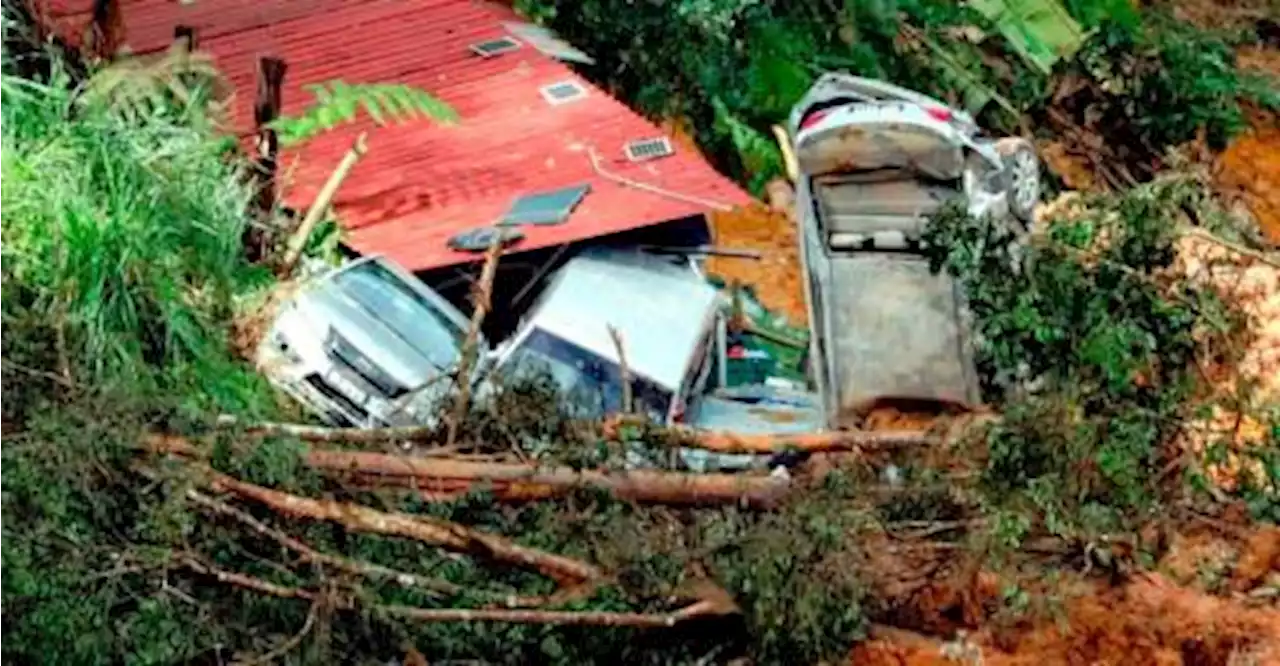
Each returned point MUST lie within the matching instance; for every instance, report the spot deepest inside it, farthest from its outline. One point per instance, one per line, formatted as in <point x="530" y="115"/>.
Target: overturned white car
<point x="874" y="161"/>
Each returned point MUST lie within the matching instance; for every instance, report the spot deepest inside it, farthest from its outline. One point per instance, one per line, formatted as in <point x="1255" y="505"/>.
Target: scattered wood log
<point x="452" y="536"/>
<point x="710" y="607"/>
<point x="448" y="477"/>
<point x="848" y="441"/>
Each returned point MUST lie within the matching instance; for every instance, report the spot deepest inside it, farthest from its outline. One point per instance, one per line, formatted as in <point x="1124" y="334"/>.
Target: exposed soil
<point x="1165" y="618"/>
<point x="1147" y="621"/>
<point x="1249" y="171"/>
<point x="777" y="276"/>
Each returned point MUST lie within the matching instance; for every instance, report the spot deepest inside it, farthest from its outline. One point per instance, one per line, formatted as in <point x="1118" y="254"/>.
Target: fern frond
<point x="338" y="103"/>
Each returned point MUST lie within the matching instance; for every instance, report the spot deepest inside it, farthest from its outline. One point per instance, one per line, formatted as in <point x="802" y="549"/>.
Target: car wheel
<point x="1024" y="169"/>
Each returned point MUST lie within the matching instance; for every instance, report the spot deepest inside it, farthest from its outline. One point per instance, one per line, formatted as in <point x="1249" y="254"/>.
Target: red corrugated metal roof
<point x="420" y="182"/>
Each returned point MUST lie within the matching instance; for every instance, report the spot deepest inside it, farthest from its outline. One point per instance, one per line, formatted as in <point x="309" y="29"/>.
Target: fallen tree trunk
<point x="443" y="478"/>
<point x="847" y="441"/>
<point x="452" y="536"/>
<point x="720" y="442"/>
<point x="513" y="481"/>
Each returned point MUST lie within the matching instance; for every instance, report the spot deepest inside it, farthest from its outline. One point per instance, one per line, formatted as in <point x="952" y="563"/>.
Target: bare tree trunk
<point x="481" y="300"/>
<point x="106" y="30"/>
<point x="818" y="442"/>
<point x="184" y="37"/>
<point x="266" y="109"/>
<point x="298" y="241"/>
<point x="519" y="482"/>
<point x="445" y="478"/>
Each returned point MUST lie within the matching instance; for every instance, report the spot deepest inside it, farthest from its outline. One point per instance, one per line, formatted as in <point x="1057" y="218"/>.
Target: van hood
<point x="328" y="310"/>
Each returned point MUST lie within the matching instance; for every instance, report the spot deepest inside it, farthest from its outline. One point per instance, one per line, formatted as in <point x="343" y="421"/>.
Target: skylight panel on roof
<point x="551" y="207"/>
<point x="492" y="47"/>
<point x="548" y="43"/>
<point x="649" y="149"/>
<point x="561" y="92"/>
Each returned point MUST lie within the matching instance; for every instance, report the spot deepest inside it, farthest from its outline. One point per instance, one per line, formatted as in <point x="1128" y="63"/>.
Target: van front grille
<point x="318" y="383"/>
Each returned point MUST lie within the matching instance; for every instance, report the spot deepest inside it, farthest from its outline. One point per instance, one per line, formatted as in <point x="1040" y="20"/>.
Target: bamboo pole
<point x="789" y="162"/>
<point x="624" y="371"/>
<point x="321" y="204"/>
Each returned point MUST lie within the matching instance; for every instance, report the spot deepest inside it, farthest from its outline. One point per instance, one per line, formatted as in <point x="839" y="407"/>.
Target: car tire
<point x="1020" y="159"/>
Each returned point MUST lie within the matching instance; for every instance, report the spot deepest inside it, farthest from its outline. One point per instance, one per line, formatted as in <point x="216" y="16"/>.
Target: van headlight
<point x="279" y="344"/>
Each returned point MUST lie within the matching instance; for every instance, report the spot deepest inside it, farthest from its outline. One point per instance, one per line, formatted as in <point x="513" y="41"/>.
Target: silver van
<point x="365" y="345"/>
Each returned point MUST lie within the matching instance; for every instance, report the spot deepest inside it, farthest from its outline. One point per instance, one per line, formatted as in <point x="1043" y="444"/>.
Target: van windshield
<point x="411" y="316"/>
<point x="591" y="382"/>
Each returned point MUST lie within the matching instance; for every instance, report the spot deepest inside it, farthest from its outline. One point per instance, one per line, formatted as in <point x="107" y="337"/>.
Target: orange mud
<point x="776" y="278"/>
<point x="1249" y="171"/>
<point x="1146" y="621"/>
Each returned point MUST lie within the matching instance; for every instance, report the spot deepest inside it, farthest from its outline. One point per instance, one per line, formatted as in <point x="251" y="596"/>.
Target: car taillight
<point x="814" y="118"/>
<point x="938" y="113"/>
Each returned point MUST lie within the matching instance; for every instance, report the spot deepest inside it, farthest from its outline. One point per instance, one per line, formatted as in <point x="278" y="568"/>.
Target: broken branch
<point x="242" y="580"/>
<point x="358" y="518"/>
<point x="564" y="618"/>
<point x="298" y="241"/>
<point x="312" y="555"/>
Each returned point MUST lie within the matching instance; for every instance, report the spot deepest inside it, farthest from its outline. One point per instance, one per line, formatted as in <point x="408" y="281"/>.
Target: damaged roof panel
<point x="421" y="183"/>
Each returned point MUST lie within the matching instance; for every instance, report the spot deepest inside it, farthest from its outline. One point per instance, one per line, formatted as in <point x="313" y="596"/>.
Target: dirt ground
<point x="777" y="276"/>
<point x="1171" y="617"/>
<point x="1249" y="171"/>
<point x="765" y="227"/>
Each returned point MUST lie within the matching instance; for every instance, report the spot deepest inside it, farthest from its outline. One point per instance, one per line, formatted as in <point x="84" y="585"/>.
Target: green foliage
<point x="1164" y="81"/>
<point x="733" y="68"/>
<point x="338" y="103"/>
<point x="1092" y="343"/>
<point x="121" y="237"/>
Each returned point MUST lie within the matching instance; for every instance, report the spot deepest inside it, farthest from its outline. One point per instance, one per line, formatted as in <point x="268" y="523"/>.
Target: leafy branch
<point x="338" y="103"/>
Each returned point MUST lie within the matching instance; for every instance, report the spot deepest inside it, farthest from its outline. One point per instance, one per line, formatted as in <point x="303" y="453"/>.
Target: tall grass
<point x="121" y="235"/>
